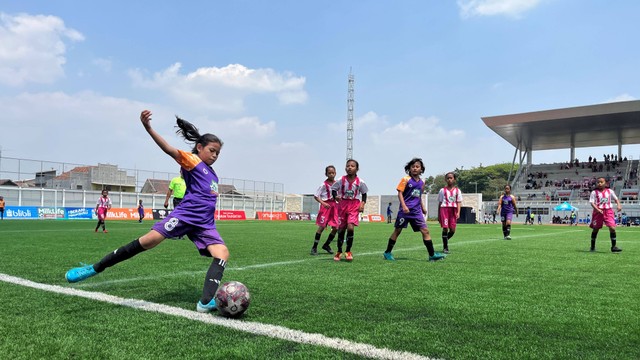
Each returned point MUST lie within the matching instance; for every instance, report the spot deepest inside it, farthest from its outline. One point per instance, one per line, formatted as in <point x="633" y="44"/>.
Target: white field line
<point x="273" y="331"/>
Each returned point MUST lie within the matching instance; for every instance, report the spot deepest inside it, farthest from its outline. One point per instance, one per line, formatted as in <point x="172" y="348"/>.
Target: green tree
<point x="489" y="180"/>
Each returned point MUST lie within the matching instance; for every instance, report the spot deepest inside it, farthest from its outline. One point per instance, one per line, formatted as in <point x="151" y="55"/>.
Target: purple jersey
<point x="507" y="205"/>
<point x="199" y="203"/>
<point x="412" y="194"/>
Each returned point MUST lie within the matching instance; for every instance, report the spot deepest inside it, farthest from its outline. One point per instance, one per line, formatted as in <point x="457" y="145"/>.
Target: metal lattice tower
<point x="350" y="101"/>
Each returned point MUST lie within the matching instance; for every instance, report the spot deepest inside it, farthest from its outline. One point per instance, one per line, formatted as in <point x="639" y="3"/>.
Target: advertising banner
<point x="231" y="215"/>
<point x="50" y="213"/>
<point x="375" y="218"/>
<point x="160" y="214"/>
<point x="21" y="212"/>
<point x="276" y="215"/>
<point x="77" y="213"/>
<point x="298" y="216"/>
<point x="125" y="214"/>
<point x="629" y="194"/>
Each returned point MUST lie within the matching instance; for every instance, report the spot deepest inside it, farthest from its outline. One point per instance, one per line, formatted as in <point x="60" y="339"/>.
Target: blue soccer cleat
<point x="388" y="256"/>
<point x="210" y="307"/>
<point x="80" y="273"/>
<point x="437" y="256"/>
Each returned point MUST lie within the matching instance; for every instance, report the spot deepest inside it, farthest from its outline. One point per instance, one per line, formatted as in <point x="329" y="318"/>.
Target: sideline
<point x="273" y="331"/>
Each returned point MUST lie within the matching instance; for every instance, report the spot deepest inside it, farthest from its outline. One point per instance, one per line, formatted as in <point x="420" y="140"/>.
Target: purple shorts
<point x="506" y="216"/>
<point x="172" y="227"/>
<point x="403" y="220"/>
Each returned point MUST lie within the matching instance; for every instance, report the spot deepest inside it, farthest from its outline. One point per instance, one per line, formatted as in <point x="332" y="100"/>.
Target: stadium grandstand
<point x="543" y="186"/>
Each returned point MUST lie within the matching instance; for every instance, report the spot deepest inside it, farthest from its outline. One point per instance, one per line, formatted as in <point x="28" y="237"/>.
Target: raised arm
<point x="145" y="118"/>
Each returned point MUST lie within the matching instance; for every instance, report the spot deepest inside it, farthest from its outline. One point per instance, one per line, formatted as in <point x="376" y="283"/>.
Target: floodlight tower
<point x="350" y="102"/>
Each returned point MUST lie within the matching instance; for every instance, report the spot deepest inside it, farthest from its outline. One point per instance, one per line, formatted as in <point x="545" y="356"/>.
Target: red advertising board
<point x="375" y="218"/>
<point x="127" y="214"/>
<point x="276" y="215"/>
<point x="231" y="215"/>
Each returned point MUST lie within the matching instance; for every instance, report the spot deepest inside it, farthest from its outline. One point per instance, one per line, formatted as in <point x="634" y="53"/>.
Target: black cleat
<point x="327" y="249"/>
<point x="615" y="249"/>
<point x="314" y="251"/>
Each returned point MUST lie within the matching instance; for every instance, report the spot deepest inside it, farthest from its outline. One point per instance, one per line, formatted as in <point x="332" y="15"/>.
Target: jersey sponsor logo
<point x="415" y="193"/>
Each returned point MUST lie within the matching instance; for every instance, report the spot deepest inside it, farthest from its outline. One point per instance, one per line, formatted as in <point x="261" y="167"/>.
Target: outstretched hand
<point x="145" y="118"/>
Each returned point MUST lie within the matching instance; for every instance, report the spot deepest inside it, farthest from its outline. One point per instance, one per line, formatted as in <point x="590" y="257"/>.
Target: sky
<point x="270" y="78"/>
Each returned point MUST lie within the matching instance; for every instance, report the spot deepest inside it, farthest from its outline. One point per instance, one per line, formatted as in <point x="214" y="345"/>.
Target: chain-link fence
<point x="29" y="183"/>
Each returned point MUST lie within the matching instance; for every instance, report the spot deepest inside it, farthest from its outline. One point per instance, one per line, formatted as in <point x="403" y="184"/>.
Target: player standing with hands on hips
<point x="600" y="201"/>
<point x="193" y="217"/>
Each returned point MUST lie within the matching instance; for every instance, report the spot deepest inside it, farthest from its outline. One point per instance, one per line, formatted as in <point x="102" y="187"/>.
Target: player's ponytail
<point x="191" y="134"/>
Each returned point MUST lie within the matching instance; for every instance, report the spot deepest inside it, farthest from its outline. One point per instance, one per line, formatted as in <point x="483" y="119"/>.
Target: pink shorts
<point x="447" y="218"/>
<point x="607" y="218"/>
<point x="102" y="213"/>
<point x="328" y="216"/>
<point x="348" y="213"/>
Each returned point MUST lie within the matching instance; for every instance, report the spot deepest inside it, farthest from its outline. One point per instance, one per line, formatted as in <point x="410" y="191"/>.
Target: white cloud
<point x="418" y="131"/>
<point x="88" y="128"/>
<point x="33" y="48"/>
<point x="245" y="128"/>
<point x="223" y="89"/>
<point x="103" y="64"/>
<point x="621" y="97"/>
<point x="509" y="8"/>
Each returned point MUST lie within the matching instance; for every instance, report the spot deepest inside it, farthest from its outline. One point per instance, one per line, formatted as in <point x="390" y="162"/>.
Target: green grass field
<point x="542" y="295"/>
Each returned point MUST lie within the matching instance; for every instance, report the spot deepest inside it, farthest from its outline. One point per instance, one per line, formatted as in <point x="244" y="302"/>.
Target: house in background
<point x="103" y="176"/>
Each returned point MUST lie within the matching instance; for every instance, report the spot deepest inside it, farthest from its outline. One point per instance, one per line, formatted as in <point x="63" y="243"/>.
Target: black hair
<point x="357" y="165"/>
<point x="407" y="168"/>
<point x="455" y="177"/>
<point x="326" y="170"/>
<point x="191" y="134"/>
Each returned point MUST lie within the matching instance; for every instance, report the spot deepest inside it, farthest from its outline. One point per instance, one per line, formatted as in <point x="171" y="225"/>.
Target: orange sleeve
<point x="403" y="183"/>
<point x="188" y="160"/>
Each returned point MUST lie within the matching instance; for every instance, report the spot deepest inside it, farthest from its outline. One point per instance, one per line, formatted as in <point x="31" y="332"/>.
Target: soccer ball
<point x="232" y="299"/>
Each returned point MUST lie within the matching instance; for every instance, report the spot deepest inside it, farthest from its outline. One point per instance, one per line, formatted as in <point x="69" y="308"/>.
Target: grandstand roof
<point x="584" y="126"/>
